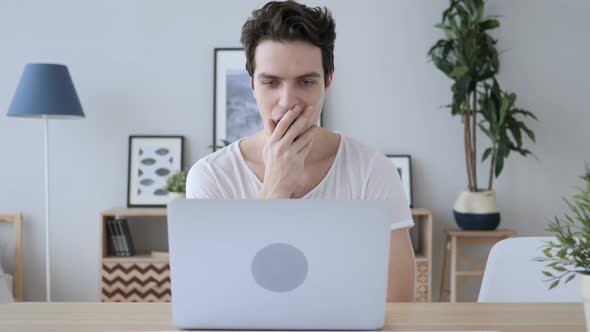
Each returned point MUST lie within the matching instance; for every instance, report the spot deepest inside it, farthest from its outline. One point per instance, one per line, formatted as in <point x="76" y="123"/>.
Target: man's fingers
<point x="301" y="141"/>
<point x="299" y="126"/>
<point x="306" y="148"/>
<point x="285" y="123"/>
<point x="270" y="127"/>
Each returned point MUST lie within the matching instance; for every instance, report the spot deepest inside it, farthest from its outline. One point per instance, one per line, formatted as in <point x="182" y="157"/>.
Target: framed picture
<point x="403" y="164"/>
<point x="151" y="160"/>
<point x="235" y="112"/>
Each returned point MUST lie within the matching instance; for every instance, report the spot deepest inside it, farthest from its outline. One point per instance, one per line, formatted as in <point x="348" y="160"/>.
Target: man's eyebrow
<point x="306" y="75"/>
<point x="265" y="75"/>
<point x="310" y="75"/>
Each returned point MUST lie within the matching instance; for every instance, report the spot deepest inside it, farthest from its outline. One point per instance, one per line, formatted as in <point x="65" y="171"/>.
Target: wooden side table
<point x="453" y="249"/>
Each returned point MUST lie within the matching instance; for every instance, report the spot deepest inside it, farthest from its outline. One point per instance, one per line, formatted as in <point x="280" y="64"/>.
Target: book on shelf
<point x="119" y="238"/>
<point x="113" y="246"/>
<point x="130" y="248"/>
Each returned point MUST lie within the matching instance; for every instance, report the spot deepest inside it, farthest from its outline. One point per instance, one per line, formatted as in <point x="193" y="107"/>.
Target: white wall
<point x="145" y="67"/>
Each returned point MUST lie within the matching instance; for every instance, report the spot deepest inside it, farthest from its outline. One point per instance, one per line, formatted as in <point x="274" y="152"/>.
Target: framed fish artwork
<point x="151" y="160"/>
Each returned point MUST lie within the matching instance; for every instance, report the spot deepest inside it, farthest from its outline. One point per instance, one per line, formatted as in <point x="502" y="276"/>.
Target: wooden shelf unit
<point x="139" y="278"/>
<point x="145" y="278"/>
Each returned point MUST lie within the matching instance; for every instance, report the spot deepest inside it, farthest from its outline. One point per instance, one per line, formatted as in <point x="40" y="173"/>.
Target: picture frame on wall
<point x="403" y="164"/>
<point x="235" y="112"/>
<point x="151" y="159"/>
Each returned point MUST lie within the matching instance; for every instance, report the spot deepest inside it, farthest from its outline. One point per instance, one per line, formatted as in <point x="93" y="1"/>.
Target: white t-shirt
<point x="358" y="172"/>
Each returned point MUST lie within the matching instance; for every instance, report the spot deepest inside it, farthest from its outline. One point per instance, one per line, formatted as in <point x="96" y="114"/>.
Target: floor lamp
<point x="46" y="91"/>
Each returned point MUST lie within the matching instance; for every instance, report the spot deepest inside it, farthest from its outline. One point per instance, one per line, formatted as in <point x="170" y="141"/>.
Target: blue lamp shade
<point x="46" y="90"/>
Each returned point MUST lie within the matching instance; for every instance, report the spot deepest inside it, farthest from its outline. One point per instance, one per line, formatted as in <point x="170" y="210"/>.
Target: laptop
<point x="279" y="264"/>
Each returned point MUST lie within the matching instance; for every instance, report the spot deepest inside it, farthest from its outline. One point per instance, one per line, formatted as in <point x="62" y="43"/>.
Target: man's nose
<point x="288" y="98"/>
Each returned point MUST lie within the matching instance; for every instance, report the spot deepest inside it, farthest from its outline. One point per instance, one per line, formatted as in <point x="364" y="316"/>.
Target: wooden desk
<point x="562" y="317"/>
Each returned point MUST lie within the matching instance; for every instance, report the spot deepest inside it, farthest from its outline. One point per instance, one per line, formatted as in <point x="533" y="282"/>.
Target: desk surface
<point x="563" y="317"/>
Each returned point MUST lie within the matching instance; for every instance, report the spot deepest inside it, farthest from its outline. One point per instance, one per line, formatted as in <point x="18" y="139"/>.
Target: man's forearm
<point x="402" y="268"/>
<point x="406" y="283"/>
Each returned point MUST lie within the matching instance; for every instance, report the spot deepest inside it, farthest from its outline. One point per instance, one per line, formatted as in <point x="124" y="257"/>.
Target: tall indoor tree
<point x="469" y="57"/>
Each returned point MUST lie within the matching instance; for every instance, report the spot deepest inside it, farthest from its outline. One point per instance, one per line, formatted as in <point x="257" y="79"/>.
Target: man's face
<point x="288" y="74"/>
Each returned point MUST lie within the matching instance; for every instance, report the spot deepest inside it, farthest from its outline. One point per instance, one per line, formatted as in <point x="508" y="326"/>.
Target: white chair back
<point x="512" y="275"/>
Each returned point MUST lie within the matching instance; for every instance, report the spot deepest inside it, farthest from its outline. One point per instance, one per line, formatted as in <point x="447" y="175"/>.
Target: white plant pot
<point x="173" y="195"/>
<point x="477" y="211"/>
<point x="585" y="288"/>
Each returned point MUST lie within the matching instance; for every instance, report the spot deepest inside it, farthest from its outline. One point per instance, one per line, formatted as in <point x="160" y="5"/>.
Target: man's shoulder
<point x="364" y="158"/>
<point x="220" y="157"/>
<point x="359" y="150"/>
<point x="217" y="163"/>
<point x="208" y="177"/>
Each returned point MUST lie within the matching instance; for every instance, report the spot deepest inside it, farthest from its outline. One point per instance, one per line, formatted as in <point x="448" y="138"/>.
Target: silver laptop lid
<point x="279" y="264"/>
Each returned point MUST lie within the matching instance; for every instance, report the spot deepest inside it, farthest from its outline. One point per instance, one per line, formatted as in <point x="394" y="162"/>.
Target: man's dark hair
<point x="290" y="21"/>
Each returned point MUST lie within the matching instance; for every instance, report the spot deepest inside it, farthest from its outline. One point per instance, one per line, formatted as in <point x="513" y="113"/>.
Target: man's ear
<point x="251" y="83"/>
<point x="329" y="81"/>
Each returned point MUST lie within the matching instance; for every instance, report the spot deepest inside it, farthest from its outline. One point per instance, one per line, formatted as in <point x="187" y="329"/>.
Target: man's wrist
<point x="267" y="194"/>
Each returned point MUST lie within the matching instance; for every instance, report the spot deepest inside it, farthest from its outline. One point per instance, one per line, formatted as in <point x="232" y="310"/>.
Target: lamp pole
<point x="47" y="244"/>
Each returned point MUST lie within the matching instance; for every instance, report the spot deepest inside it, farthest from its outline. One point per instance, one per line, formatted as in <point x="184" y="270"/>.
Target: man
<point x="289" y="51"/>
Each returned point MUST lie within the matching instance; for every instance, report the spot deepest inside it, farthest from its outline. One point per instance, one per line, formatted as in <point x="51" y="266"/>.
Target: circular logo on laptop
<point x="279" y="267"/>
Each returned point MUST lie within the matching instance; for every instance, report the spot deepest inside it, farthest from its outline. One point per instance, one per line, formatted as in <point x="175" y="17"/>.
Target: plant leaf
<point x="529" y="132"/>
<point x="499" y="163"/>
<point x="459" y="71"/>
<point x="505" y="103"/>
<point x="486" y="154"/>
<point x="440" y="26"/>
<point x="489" y="24"/>
<point x="515" y="130"/>
<point x="547" y="252"/>
<point x="485" y="130"/>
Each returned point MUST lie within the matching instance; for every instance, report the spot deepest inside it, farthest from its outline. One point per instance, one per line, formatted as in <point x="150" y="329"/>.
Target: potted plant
<point x="570" y="254"/>
<point x="468" y="56"/>
<point x="176" y="185"/>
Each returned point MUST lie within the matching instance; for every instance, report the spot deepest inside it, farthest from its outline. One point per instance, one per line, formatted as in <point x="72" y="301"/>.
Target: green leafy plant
<point x="468" y="56"/>
<point x="571" y="253"/>
<point x="176" y="182"/>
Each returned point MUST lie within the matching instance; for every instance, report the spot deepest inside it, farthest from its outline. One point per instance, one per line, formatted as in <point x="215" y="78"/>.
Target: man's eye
<point x="269" y="83"/>
<point x="307" y="83"/>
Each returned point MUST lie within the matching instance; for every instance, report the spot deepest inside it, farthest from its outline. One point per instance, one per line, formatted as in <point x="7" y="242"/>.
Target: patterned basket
<point x="135" y="282"/>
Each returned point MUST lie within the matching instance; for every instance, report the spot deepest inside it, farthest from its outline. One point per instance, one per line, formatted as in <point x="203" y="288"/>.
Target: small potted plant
<point x="468" y="56"/>
<point x="176" y="185"/>
<point x="570" y="254"/>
